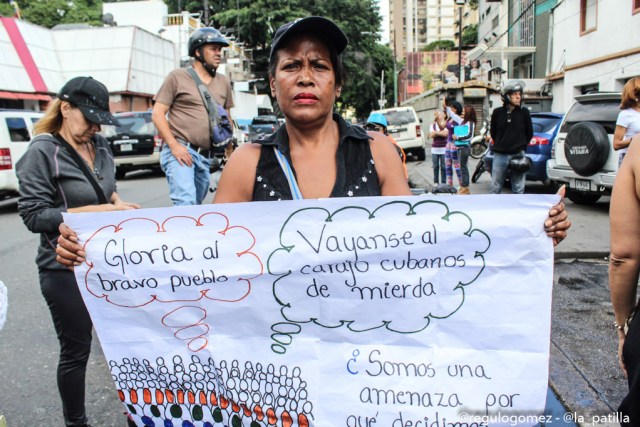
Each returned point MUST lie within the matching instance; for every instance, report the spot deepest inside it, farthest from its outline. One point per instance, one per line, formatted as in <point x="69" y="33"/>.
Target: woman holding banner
<point x="68" y="167"/>
<point x="317" y="154"/>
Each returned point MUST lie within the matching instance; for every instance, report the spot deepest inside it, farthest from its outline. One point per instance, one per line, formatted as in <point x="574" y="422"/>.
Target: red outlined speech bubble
<point x="182" y="259"/>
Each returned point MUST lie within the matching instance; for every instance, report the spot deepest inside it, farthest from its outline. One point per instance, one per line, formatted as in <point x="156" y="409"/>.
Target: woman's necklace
<point x="91" y="151"/>
<point x="88" y="152"/>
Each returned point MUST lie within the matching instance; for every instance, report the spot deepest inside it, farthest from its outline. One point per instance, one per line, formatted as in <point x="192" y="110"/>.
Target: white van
<point x="404" y="126"/>
<point x="16" y="127"/>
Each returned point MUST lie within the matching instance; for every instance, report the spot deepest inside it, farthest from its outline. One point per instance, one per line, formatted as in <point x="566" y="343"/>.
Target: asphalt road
<point x="583" y="369"/>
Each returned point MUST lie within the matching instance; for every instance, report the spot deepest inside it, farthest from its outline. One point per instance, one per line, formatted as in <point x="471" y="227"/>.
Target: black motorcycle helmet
<point x="203" y="36"/>
<point x="510" y="87"/>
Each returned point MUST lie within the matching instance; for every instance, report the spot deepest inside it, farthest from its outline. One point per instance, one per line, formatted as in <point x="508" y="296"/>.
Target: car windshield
<point x="399" y="117"/>
<point x="544" y="124"/>
<point x="134" y="125"/>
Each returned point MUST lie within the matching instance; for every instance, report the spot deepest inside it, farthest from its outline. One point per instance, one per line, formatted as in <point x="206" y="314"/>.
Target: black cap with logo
<point x="91" y="97"/>
<point x="323" y="27"/>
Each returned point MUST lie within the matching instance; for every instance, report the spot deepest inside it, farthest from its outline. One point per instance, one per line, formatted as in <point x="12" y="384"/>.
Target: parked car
<point x="582" y="155"/>
<point x="135" y="144"/>
<point x="545" y="129"/>
<point x="404" y="126"/>
<point x="16" y="130"/>
<point x="262" y="126"/>
<point x="241" y="132"/>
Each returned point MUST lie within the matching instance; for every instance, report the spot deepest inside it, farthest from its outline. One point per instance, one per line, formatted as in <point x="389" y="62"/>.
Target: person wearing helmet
<point x="182" y="120"/>
<point x="377" y="122"/>
<point x="511" y="131"/>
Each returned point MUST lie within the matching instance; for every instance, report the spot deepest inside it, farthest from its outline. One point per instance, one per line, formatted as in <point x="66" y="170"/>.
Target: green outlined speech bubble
<point x="395" y="267"/>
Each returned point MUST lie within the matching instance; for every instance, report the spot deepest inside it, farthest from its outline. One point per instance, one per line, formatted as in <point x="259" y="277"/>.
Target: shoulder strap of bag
<point x="209" y="103"/>
<point x="83" y="167"/>
<point x="288" y="172"/>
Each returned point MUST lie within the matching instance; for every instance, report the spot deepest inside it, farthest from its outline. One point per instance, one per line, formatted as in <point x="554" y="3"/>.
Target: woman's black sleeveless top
<point x="356" y="174"/>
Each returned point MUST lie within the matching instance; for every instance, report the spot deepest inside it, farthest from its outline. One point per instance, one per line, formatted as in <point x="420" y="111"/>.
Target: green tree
<point x="470" y="35"/>
<point x="439" y="45"/>
<point x="49" y="13"/>
<point x="364" y="59"/>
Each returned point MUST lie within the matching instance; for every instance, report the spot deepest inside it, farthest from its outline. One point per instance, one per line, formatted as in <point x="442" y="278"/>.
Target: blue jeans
<point x="438" y="166"/>
<point x="499" y="174"/>
<point x="187" y="185"/>
<point x="464" y="151"/>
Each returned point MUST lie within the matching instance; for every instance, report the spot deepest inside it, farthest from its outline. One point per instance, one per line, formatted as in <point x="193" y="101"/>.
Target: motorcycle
<point x="480" y="145"/>
<point x="481" y="168"/>
<point x="480" y="142"/>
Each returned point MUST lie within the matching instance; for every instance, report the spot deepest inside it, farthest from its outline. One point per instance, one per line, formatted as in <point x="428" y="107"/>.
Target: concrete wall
<point x="606" y="57"/>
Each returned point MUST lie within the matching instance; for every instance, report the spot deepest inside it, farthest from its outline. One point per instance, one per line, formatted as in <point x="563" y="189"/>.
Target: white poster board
<point x="415" y="311"/>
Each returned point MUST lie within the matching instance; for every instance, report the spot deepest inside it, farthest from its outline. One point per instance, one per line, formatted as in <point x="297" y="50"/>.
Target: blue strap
<point x="288" y="172"/>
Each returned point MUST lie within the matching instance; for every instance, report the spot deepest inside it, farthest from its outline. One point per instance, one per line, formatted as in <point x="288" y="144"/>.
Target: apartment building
<point x="413" y="24"/>
<point x="514" y="35"/>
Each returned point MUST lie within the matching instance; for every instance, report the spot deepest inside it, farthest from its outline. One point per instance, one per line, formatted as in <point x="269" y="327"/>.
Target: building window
<point x="496" y="21"/>
<point x="588" y="15"/>
<point x="595" y="87"/>
<point x="636" y="6"/>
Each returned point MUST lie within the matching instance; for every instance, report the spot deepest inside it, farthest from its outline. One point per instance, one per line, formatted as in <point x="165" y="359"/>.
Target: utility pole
<point x="237" y="20"/>
<point x="395" y="83"/>
<point x="382" y="101"/>
<point x="205" y="5"/>
<point x="395" y="73"/>
<point x="460" y="3"/>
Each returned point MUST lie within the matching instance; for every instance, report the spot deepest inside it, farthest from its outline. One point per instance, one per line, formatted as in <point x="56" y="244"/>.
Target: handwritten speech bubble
<point x="395" y="267"/>
<point x="142" y="260"/>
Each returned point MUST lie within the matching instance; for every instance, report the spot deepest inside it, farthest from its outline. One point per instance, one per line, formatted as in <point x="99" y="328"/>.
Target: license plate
<point x="582" y="184"/>
<point x="126" y="147"/>
<point x="398" y="130"/>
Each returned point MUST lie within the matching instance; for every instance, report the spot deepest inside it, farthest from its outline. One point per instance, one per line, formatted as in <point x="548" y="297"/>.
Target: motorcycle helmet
<point x="510" y="87"/>
<point x="203" y="36"/>
<point x="520" y="163"/>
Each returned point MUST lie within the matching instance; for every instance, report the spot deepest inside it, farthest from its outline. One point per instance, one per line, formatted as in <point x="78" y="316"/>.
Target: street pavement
<point x="583" y="371"/>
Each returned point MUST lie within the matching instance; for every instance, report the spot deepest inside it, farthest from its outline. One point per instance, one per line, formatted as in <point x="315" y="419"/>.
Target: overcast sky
<point x="384" y="11"/>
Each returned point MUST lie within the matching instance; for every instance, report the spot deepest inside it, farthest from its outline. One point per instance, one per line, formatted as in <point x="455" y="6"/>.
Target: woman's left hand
<point x="558" y="223"/>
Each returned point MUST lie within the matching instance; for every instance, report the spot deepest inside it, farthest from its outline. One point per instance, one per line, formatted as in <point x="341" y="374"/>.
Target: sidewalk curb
<point x="602" y="255"/>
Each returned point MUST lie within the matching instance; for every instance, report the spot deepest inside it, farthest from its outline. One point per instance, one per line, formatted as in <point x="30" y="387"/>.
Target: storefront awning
<point x="23" y="95"/>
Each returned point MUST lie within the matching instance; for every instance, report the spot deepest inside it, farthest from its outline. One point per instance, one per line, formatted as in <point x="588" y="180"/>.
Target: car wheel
<point x="421" y="154"/>
<point x="120" y="173"/>
<point x="587" y="148"/>
<point x="583" y="198"/>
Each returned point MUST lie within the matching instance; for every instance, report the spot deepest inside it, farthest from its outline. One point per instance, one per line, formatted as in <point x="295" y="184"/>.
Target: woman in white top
<point x="628" y="123"/>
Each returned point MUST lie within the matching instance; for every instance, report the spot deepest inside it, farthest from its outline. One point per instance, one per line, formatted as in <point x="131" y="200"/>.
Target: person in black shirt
<point x="511" y="131"/>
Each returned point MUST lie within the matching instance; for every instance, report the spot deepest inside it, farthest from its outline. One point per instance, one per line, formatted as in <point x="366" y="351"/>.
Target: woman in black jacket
<point x="68" y="167"/>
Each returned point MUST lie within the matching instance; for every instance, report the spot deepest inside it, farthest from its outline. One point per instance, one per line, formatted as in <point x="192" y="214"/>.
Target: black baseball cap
<point x="323" y="27"/>
<point x="91" y="97"/>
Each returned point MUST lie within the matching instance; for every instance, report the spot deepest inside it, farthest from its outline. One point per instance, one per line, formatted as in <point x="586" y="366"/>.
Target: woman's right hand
<point x="68" y="251"/>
